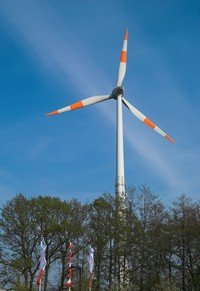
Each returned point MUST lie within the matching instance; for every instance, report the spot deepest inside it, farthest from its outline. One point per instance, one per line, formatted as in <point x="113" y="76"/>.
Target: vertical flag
<point x="43" y="262"/>
<point x="91" y="265"/>
<point x="69" y="281"/>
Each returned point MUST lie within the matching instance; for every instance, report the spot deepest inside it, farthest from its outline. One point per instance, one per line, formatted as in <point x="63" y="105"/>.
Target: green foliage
<point x="140" y="246"/>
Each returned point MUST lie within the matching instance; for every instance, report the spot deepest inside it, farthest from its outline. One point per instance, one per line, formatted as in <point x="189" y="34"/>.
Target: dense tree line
<point x="144" y="246"/>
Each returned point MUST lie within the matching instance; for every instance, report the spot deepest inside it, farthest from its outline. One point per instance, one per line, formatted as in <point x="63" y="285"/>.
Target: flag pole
<point x="40" y="286"/>
<point x="69" y="282"/>
<point x="90" y="283"/>
<point x="91" y="266"/>
<point x="42" y="266"/>
<point x="70" y="264"/>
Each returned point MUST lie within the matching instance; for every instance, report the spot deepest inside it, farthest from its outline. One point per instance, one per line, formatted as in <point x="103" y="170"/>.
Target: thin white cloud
<point x="155" y="159"/>
<point x="47" y="39"/>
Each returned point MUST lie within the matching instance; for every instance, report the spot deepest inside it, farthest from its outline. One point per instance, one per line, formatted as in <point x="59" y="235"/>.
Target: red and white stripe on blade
<point x="146" y="120"/>
<point x="80" y="104"/>
<point x="123" y="58"/>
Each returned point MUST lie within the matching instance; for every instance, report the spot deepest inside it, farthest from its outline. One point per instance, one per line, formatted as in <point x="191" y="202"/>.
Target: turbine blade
<point x="146" y="120"/>
<point x="80" y="104"/>
<point x="123" y="58"/>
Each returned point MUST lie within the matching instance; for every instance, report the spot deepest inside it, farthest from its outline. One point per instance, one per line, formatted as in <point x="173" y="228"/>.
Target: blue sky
<point x="54" y="53"/>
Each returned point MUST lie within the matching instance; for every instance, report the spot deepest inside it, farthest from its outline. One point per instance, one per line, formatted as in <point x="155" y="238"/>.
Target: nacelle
<point x="116" y="92"/>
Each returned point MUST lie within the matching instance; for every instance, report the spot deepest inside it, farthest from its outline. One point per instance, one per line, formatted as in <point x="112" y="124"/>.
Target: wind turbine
<point x="118" y="95"/>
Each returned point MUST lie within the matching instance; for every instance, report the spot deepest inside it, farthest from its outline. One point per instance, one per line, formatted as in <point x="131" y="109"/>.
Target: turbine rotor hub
<point x="117" y="91"/>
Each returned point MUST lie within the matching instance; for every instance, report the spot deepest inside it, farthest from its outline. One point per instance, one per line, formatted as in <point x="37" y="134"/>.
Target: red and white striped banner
<point x="69" y="281"/>
<point x="91" y="265"/>
<point x="43" y="263"/>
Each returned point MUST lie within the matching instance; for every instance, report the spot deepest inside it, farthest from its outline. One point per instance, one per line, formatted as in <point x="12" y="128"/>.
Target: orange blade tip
<point x="169" y="138"/>
<point x="52" y="113"/>
<point x="126" y="35"/>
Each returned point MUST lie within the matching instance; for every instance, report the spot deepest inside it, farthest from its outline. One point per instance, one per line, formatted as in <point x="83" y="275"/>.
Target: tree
<point x="185" y="231"/>
<point x="102" y="215"/>
<point x="73" y="228"/>
<point x="19" y="240"/>
<point x="142" y="245"/>
<point x="147" y="235"/>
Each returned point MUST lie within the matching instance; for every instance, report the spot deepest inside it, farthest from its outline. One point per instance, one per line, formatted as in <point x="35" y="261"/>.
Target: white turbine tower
<point x="118" y="95"/>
